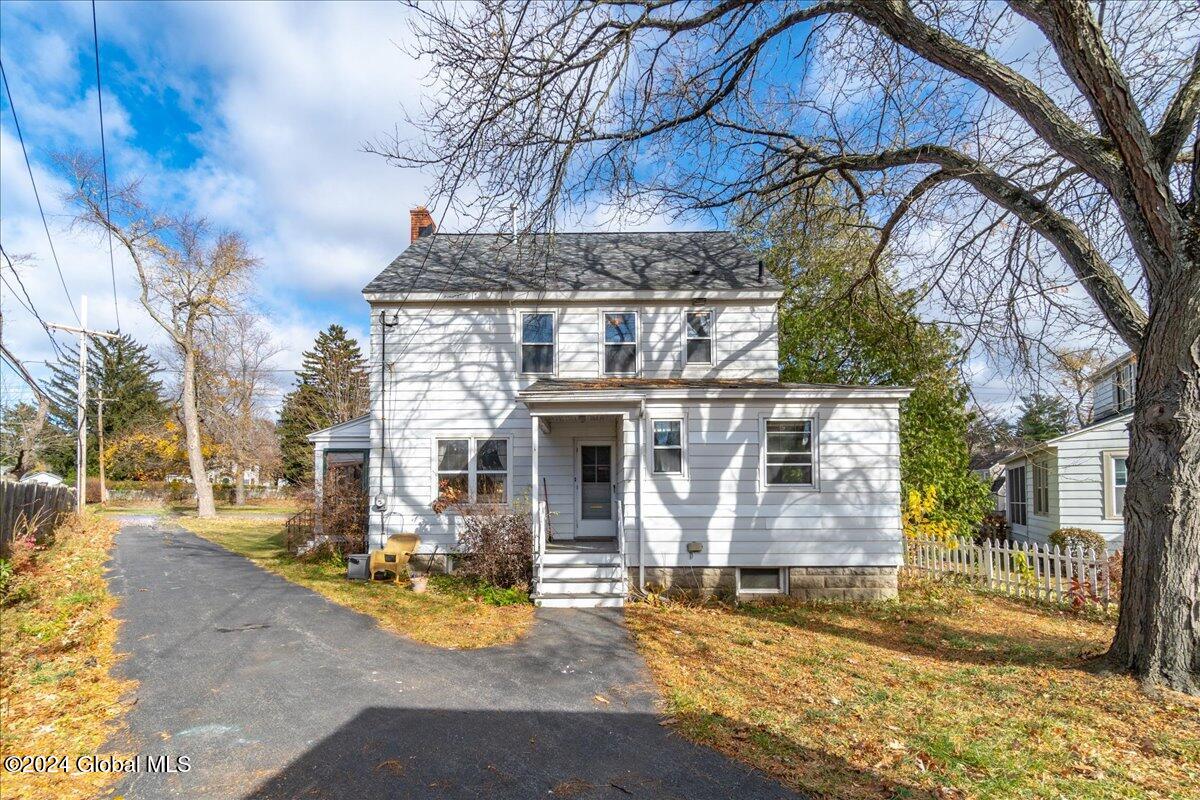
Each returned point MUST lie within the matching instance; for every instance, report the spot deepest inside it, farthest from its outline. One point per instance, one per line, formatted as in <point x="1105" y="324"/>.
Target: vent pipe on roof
<point x="760" y="270"/>
<point x="513" y="210"/>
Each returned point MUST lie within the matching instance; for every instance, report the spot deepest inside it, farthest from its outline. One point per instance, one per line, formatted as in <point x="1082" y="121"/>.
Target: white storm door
<point x="595" y="511"/>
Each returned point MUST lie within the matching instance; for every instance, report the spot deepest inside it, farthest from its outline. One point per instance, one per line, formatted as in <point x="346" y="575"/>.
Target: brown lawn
<point x="447" y="615"/>
<point x="944" y="693"/>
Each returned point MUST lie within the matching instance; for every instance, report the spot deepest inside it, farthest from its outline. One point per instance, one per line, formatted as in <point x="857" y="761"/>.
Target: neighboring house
<point x="624" y="388"/>
<point x="1077" y="480"/>
<point x="42" y="477"/>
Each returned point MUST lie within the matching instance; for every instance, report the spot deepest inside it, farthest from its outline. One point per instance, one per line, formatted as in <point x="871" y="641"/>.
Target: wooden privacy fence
<point x="31" y="508"/>
<point x="1041" y="572"/>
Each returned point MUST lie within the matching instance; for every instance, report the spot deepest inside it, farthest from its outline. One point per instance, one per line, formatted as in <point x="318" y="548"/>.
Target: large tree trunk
<point x="191" y="428"/>
<point x="1158" y="635"/>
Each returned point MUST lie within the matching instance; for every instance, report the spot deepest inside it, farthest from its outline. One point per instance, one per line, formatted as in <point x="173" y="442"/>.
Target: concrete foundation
<point x="804" y="583"/>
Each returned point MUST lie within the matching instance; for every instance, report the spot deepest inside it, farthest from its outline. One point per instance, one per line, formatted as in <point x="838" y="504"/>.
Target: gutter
<point x="637" y="498"/>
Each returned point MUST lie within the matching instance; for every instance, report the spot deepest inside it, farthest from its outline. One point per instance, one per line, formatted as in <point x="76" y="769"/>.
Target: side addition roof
<point x="458" y="264"/>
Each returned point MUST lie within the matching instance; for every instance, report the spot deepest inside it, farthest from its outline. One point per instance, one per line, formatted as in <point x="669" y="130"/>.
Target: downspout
<point x="637" y="497"/>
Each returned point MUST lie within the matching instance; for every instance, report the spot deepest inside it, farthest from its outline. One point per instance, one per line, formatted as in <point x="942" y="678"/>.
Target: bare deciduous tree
<point x="189" y="278"/>
<point x="237" y="374"/>
<point x="1027" y="162"/>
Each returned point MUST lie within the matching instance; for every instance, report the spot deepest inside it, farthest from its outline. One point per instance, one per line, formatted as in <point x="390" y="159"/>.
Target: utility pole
<point x="81" y="400"/>
<point x="100" y="401"/>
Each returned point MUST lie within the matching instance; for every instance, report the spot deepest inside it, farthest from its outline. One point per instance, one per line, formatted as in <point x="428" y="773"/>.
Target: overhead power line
<point x="16" y="364"/>
<point x="112" y="267"/>
<point x="28" y="166"/>
<point x="27" y="303"/>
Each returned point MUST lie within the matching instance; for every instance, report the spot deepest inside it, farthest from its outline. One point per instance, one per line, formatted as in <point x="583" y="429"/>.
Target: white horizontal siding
<point x="453" y="371"/>
<point x="1081" y="486"/>
<point x="853" y="518"/>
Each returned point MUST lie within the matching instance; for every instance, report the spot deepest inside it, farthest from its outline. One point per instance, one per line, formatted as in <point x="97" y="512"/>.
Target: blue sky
<point x="249" y="114"/>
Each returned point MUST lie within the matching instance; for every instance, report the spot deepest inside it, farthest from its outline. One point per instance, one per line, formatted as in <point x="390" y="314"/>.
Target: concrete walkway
<point x="274" y="692"/>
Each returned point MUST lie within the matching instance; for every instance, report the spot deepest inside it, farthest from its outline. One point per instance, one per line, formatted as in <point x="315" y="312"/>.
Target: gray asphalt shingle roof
<point x="455" y="262"/>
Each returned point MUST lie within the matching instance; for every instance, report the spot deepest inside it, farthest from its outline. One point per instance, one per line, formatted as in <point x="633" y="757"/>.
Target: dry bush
<point x="496" y="542"/>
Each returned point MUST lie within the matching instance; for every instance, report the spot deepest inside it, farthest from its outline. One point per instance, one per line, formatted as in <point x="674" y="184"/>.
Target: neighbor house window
<point x="1123" y="386"/>
<point x="1118" y="476"/>
<point x="1017" y="503"/>
<point x="761" y="580"/>
<point x="620" y="342"/>
<point x="472" y="470"/>
<point x="668" y="446"/>
<point x="698" y="337"/>
<point x="1041" y="487"/>
<point x="788" y="452"/>
<point x="537" y="343"/>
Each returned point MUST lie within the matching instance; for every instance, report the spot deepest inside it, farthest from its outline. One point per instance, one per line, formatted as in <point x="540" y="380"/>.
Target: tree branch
<point x="1096" y="275"/>
<point x="1179" y="121"/>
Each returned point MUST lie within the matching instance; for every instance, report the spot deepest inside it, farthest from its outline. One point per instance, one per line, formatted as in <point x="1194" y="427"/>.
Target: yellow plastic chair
<point x="393" y="556"/>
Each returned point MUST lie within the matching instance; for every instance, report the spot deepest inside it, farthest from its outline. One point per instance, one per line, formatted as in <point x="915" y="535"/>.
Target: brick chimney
<point x="421" y="223"/>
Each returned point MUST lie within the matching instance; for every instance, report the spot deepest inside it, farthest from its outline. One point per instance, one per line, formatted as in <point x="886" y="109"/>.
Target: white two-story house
<point x="1077" y="480"/>
<point x="623" y="387"/>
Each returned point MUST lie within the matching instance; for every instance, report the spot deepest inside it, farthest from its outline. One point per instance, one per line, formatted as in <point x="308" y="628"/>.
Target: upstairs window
<point x="537" y="343"/>
<point x="620" y="342"/>
<point x="788" y="454"/>
<point x="1123" y="387"/>
<point x="1018" y="505"/>
<point x="698" y="337"/>
<point x="668" y="447"/>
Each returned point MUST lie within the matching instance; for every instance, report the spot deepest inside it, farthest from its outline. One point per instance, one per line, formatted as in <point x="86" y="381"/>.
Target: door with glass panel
<point x="595" y="514"/>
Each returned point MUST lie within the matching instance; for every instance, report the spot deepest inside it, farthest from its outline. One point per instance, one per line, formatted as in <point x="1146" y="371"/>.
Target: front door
<point x="596" y="516"/>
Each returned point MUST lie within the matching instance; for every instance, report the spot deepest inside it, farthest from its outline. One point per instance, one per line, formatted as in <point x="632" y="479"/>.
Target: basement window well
<point x="761" y="580"/>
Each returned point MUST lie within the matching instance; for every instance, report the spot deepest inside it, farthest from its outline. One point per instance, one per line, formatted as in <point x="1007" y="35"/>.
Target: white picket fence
<point x="1021" y="569"/>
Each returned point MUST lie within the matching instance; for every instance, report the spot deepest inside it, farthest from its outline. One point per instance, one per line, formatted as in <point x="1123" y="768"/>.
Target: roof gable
<point x="573" y="262"/>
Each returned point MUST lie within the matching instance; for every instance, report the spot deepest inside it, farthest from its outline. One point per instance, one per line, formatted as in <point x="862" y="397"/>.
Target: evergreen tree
<point x="1042" y="417"/>
<point x="331" y="387"/>
<point x="119" y="369"/>
<point x="836" y="327"/>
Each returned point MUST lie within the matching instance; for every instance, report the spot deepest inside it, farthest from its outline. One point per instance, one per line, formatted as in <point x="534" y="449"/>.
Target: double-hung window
<point x="1118" y="476"/>
<point x="697" y="337"/>
<point x="1018" y="504"/>
<point x="537" y="343"/>
<point x="620" y="342"/>
<point x="1123" y="386"/>
<point x="668" y="446"/>
<point x="788" y="454"/>
<point x="472" y="470"/>
<point x="1041" y="487"/>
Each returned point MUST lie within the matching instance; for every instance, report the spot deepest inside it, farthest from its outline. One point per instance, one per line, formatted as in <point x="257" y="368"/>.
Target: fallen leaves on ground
<point x="944" y="693"/>
<point x="443" y="619"/>
<point x="57" y="634"/>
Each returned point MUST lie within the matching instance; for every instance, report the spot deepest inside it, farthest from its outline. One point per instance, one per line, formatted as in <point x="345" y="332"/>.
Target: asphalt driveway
<point x="274" y="692"/>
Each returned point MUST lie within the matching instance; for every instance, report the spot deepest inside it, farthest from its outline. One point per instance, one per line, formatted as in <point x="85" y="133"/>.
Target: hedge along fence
<point x="31" y="508"/>
<point x="1040" y="572"/>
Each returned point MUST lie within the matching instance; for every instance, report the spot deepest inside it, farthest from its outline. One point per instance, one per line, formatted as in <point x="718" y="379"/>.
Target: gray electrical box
<point x="356" y="567"/>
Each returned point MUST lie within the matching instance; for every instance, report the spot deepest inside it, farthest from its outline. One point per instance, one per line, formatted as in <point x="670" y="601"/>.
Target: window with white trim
<point x="667" y="446"/>
<point x="1041" y="487"/>
<point x="1118" y="473"/>
<point x="761" y="580"/>
<point x="620" y="354"/>
<point x="472" y="469"/>
<point x="1018" y="504"/>
<point x="537" y="343"/>
<point x="697" y="337"/>
<point x="788" y="452"/>
<point x="1123" y="386"/>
